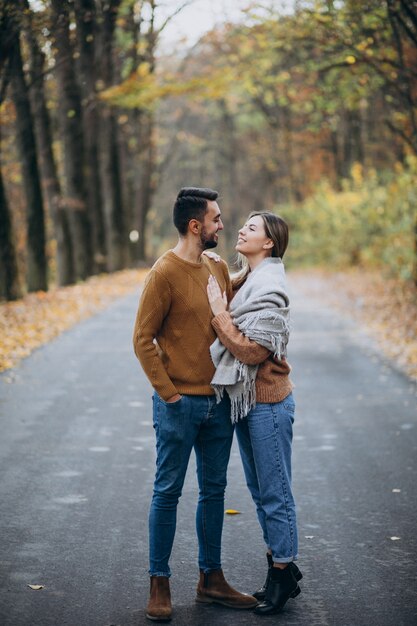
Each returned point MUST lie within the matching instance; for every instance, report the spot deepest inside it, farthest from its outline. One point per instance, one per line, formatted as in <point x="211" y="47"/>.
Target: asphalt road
<point x="77" y="465"/>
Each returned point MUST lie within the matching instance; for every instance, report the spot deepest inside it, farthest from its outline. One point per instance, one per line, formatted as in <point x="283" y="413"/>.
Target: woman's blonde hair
<point x="277" y="230"/>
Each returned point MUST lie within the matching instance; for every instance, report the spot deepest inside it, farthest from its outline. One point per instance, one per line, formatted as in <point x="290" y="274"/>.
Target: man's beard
<point x="206" y="242"/>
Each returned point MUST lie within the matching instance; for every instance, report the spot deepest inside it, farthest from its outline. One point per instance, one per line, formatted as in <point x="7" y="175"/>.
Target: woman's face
<point x="252" y="239"/>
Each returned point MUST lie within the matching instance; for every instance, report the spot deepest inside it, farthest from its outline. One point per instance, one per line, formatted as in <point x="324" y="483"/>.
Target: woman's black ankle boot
<point x="282" y="585"/>
<point x="261" y="592"/>
<point x="295" y="570"/>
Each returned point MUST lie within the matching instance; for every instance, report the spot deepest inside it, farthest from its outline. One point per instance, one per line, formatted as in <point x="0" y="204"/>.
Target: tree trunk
<point x="294" y="192"/>
<point x="146" y="187"/>
<point x="129" y="131"/>
<point x="9" y="276"/>
<point x="128" y="149"/>
<point x="86" y="19"/>
<point x="414" y="277"/>
<point x="51" y="186"/>
<point x="71" y="133"/>
<point x="148" y="158"/>
<point x="337" y="160"/>
<point x="117" y="242"/>
<point x="110" y="176"/>
<point x="356" y="132"/>
<point x="403" y="21"/>
<point x="36" y="257"/>
<point x="227" y="177"/>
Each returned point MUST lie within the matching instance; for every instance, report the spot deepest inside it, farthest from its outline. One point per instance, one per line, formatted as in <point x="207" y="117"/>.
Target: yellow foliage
<point x="144" y="89"/>
<point x="357" y="173"/>
<point x="370" y="223"/>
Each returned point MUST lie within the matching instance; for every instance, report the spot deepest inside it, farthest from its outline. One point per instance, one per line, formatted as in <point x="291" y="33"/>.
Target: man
<point x="172" y="337"/>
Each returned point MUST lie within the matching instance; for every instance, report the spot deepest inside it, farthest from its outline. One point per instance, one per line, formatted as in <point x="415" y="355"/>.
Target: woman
<point x="249" y="356"/>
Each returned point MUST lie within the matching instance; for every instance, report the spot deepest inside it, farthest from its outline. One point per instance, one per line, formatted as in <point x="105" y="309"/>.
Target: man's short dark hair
<point x="191" y="203"/>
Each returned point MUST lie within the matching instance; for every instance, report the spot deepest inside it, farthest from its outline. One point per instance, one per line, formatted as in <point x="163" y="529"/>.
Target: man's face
<point x="212" y="223"/>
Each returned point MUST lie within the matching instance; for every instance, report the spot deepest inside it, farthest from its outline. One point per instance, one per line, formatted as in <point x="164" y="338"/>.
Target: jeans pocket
<point x="162" y="409"/>
<point x="261" y="422"/>
<point x="171" y="404"/>
<point x="171" y="413"/>
<point x="289" y="404"/>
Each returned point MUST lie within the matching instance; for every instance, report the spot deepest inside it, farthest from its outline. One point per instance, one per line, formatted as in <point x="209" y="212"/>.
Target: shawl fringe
<point x="260" y="310"/>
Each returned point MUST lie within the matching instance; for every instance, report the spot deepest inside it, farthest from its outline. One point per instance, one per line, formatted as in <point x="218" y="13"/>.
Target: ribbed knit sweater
<point x="272" y="380"/>
<point x="175" y="312"/>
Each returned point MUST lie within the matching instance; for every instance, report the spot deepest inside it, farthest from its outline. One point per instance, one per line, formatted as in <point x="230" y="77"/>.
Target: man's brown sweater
<point x="174" y="311"/>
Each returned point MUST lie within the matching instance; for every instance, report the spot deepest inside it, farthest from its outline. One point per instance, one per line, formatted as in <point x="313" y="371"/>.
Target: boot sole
<point x="158" y="619"/>
<point x="230" y="605"/>
<point x="278" y="609"/>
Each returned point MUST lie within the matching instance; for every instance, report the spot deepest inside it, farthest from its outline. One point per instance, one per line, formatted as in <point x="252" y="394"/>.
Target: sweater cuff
<point x="166" y="391"/>
<point x="221" y="319"/>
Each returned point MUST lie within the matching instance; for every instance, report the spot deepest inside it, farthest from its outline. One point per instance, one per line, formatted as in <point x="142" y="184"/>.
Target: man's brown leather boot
<point x="213" y="587"/>
<point x="159" y="606"/>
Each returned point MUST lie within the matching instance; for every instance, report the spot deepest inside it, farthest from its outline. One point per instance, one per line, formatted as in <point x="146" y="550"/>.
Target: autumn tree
<point x="9" y="276"/>
<point x="44" y="137"/>
<point x="88" y="43"/>
<point x="263" y="109"/>
<point x="75" y="198"/>
<point x="136" y="97"/>
<point x="36" y="267"/>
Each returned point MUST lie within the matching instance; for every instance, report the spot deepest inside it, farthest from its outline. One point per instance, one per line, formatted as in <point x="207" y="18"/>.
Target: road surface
<point x="77" y="466"/>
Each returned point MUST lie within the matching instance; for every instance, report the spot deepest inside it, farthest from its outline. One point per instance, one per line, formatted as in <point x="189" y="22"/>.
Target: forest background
<point x="304" y="108"/>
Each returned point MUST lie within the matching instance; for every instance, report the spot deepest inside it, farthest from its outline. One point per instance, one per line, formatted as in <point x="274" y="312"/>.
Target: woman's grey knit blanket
<point x="260" y="310"/>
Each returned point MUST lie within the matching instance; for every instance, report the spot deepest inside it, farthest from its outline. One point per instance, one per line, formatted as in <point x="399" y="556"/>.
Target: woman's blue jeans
<point x="191" y="422"/>
<point x="265" y="439"/>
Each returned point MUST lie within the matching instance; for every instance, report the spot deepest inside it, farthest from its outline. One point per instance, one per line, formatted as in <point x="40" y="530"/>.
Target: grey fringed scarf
<point x="260" y="310"/>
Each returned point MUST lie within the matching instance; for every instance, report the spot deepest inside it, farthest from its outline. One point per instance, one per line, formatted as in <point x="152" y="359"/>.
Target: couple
<point x="215" y="369"/>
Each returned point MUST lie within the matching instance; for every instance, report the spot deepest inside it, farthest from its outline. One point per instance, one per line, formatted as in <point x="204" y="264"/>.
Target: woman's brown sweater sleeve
<point x="247" y="351"/>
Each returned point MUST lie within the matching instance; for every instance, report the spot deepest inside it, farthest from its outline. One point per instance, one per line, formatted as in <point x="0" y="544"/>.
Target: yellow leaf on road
<point x="232" y="512"/>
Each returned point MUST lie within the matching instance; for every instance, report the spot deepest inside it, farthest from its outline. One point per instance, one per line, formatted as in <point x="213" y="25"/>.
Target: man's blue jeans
<point x="191" y="422"/>
<point x="265" y="438"/>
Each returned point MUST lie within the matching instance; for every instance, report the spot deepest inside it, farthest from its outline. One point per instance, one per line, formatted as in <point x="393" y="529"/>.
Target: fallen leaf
<point x="232" y="512"/>
<point x="37" y="587"/>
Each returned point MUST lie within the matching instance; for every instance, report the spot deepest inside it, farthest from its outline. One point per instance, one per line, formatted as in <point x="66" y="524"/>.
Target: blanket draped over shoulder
<point x="260" y="310"/>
